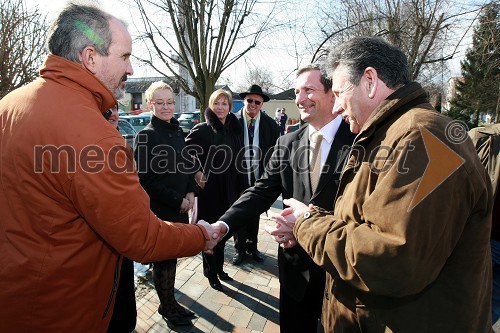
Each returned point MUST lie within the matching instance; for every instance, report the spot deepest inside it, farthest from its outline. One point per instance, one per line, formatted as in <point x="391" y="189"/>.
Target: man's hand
<point x="295" y="208"/>
<point x="282" y="232"/>
<point x="190" y="198"/>
<point x="184" y="206"/>
<point x="216" y="232"/>
<point x="222" y="228"/>
<point x="283" y="229"/>
<point x="200" y="179"/>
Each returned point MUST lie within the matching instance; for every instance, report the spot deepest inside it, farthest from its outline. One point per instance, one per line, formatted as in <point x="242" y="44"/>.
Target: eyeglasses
<point x="250" y="101"/>
<point x="162" y="104"/>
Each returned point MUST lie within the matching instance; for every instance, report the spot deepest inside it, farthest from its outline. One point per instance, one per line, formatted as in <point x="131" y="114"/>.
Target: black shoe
<point x="215" y="283"/>
<point x="224" y="276"/>
<point x="184" y="312"/>
<point x="257" y="256"/>
<point x="238" y="257"/>
<point x="174" y="318"/>
<point x="178" y="321"/>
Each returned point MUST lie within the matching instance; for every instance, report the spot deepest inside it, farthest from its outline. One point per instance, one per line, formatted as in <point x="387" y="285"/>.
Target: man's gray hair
<point x="359" y="53"/>
<point x="78" y="26"/>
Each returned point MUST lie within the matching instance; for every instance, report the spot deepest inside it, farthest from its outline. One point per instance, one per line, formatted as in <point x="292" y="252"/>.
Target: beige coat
<point x="400" y="266"/>
<point x="65" y="220"/>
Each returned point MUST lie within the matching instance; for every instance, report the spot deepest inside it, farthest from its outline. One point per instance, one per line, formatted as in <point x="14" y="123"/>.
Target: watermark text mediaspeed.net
<point x="166" y="159"/>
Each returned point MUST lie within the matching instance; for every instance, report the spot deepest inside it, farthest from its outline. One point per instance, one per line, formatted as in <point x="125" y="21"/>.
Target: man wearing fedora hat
<point x="260" y="136"/>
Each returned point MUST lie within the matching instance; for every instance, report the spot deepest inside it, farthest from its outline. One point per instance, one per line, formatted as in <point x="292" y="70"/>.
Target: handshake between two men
<point x="282" y="231"/>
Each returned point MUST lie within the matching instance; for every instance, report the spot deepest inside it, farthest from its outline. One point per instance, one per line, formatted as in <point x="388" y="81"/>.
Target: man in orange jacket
<point x="70" y="200"/>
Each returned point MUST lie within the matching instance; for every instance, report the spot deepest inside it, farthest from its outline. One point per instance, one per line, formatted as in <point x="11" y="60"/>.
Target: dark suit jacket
<point x="287" y="173"/>
<point x="268" y="134"/>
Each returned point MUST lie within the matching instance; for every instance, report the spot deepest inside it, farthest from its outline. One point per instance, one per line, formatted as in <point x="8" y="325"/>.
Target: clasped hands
<point x="282" y="230"/>
<point x="284" y="223"/>
<point x="216" y="231"/>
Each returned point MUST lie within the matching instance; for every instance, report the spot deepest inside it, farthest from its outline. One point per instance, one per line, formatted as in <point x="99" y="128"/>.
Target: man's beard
<point x="120" y="92"/>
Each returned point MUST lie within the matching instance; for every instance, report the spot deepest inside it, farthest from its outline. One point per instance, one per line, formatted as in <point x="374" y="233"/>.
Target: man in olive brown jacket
<point x="70" y="200"/>
<point x="407" y="247"/>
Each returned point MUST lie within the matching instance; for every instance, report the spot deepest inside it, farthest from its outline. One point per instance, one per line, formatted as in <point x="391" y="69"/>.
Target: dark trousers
<point x="213" y="263"/>
<point x="124" y="314"/>
<point x="246" y="238"/>
<point x="298" y="316"/>
<point x="495" y="306"/>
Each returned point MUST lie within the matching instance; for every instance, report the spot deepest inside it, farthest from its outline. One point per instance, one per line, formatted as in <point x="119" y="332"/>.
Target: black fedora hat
<point x="255" y="90"/>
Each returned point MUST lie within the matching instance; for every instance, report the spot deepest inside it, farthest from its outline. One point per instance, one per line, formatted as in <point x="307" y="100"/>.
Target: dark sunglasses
<point x="250" y="101"/>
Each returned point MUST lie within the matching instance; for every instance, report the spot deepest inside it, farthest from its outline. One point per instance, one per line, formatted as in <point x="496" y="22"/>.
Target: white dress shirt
<point x="328" y="131"/>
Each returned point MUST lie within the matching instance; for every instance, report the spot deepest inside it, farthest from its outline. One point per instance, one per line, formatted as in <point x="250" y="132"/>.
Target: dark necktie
<point x="251" y="129"/>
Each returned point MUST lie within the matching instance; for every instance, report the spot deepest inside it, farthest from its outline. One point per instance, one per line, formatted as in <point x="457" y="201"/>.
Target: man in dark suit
<point x="259" y="137"/>
<point x="301" y="281"/>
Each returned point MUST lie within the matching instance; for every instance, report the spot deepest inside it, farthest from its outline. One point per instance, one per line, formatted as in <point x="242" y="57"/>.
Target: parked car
<point x="292" y="128"/>
<point x="127" y="131"/>
<point x="188" y="120"/>
<point x="138" y="121"/>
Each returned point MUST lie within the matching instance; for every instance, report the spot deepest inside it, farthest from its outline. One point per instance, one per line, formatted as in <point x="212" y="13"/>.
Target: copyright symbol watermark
<point x="456" y="132"/>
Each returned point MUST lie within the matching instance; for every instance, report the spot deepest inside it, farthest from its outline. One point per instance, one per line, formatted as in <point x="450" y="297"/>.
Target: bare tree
<point x="22" y="38"/>
<point x="261" y="76"/>
<point x="201" y="40"/>
<point x="427" y="30"/>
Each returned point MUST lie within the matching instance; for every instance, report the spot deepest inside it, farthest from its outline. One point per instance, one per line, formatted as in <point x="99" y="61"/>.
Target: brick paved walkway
<point x="248" y="304"/>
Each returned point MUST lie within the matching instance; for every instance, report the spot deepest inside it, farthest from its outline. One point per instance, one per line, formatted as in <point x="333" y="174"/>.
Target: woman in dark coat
<point x="170" y="185"/>
<point x="217" y="145"/>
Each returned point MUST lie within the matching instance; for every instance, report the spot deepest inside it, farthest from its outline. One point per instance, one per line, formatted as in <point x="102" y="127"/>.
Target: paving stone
<point x="257" y="322"/>
<point x="248" y="304"/>
<point x="241" y="318"/>
<point x="272" y="326"/>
